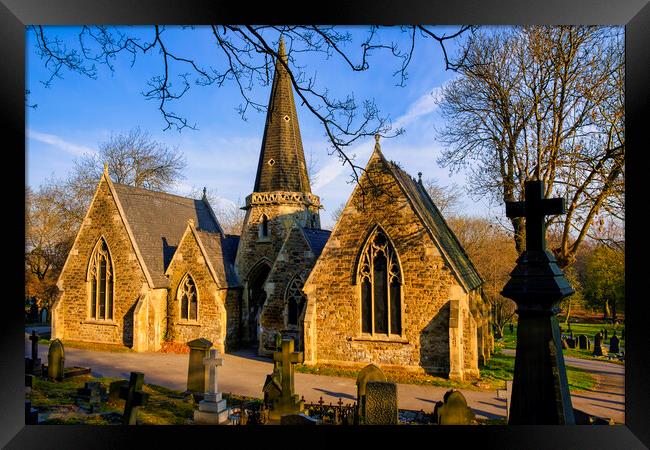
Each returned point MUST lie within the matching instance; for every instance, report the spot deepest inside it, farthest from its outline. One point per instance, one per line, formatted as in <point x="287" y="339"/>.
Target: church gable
<point x="103" y="238"/>
<point x="381" y="245"/>
<point x="197" y="292"/>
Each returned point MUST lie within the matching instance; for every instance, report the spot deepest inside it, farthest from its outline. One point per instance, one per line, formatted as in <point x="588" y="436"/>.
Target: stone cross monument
<point x="212" y="409"/>
<point x="540" y="391"/>
<point x="288" y="402"/>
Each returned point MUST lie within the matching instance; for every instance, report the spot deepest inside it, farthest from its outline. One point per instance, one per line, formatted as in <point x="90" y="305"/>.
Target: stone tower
<point x="281" y="196"/>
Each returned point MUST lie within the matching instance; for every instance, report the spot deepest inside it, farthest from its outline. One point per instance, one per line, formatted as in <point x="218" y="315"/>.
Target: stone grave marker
<point x="114" y="390"/>
<point x="297" y="419"/>
<point x="212" y="409"/>
<point x="288" y="402"/>
<point x="605" y="333"/>
<point x="34" y="363"/>
<point x="454" y="410"/>
<point x="583" y="342"/>
<point x="31" y="414"/>
<point x="134" y="396"/>
<point x="571" y="343"/>
<point x="599" y="348"/>
<point x="272" y="388"/>
<point x="92" y="394"/>
<point x="56" y="360"/>
<point x="368" y="373"/>
<point x="614" y="344"/>
<point x="381" y="403"/>
<point x="506" y="394"/>
<point x="540" y="390"/>
<point x="199" y="349"/>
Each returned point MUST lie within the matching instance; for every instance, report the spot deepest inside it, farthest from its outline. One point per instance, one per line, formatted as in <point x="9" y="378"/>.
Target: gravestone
<point x="272" y="388"/>
<point x="583" y="342"/>
<point x="368" y="373"/>
<point x="506" y="394"/>
<point x="297" y="419"/>
<point x="134" y="396"/>
<point x="31" y="414"/>
<point x="454" y="410"/>
<point x="599" y="348"/>
<point x="34" y="363"/>
<point x="212" y="409"/>
<point x="381" y="403"/>
<point x="605" y="333"/>
<point x="614" y="344"/>
<point x="92" y="393"/>
<point x="540" y="390"/>
<point x="571" y="343"/>
<point x="114" y="390"/>
<point x="288" y="402"/>
<point x="199" y="349"/>
<point x="56" y="360"/>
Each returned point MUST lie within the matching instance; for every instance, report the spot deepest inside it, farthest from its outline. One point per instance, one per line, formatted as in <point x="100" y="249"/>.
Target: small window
<point x="100" y="276"/>
<point x="295" y="300"/>
<point x="264" y="227"/>
<point x="287" y="118"/>
<point x="271" y="161"/>
<point x="188" y="299"/>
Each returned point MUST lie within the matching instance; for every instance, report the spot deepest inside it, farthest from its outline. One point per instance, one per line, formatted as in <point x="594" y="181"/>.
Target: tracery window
<point x="100" y="276"/>
<point x="188" y="298"/>
<point x="381" y="280"/>
<point x="295" y="300"/>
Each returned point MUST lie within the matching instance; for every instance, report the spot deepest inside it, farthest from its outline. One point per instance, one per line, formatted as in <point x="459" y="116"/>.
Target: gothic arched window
<point x="100" y="276"/>
<point x="381" y="280"/>
<point x="295" y="300"/>
<point x="188" y="298"/>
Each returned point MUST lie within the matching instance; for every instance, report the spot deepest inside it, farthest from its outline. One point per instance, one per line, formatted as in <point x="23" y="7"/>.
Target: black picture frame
<point x="15" y="14"/>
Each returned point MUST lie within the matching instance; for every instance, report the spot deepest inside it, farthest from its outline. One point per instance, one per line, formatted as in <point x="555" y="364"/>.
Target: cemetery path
<point x="244" y="373"/>
<point x="607" y="399"/>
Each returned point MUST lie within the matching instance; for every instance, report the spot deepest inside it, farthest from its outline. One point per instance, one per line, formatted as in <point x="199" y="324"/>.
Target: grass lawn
<point x="56" y="404"/>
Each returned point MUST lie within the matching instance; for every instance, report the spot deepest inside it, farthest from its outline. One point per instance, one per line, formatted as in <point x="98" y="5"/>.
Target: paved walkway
<point x="244" y="373"/>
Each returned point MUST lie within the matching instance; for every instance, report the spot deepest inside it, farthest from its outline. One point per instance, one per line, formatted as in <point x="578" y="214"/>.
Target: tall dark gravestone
<point x="540" y="391"/>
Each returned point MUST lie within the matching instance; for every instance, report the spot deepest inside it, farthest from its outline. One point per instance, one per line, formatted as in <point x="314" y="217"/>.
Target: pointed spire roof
<point x="282" y="164"/>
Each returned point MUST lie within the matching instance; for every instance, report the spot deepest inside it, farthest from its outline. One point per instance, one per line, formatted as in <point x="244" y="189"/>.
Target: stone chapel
<point x="390" y="285"/>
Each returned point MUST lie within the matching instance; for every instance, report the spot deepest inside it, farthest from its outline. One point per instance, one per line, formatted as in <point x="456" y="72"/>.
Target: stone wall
<point x="211" y="315"/>
<point x="333" y="316"/>
<point x="72" y="312"/>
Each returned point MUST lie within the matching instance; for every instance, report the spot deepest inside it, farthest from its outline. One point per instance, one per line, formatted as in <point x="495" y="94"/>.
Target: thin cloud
<point x="60" y="143"/>
<point x="423" y="106"/>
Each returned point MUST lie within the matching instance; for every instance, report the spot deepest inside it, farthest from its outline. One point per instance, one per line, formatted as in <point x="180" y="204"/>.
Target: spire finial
<point x="190" y="222"/>
<point x="205" y="196"/>
<point x="377" y="137"/>
<point x="420" y="177"/>
<point x="106" y="169"/>
<point x="282" y="53"/>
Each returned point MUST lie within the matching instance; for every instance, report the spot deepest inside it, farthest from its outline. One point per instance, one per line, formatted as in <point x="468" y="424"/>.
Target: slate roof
<point x="282" y="142"/>
<point x="432" y="217"/>
<point x="316" y="239"/>
<point x="220" y="253"/>
<point x="158" y="220"/>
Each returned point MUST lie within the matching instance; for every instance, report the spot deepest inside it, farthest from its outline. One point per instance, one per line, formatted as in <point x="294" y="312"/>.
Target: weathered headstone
<point x="583" y="342"/>
<point x="506" y="394"/>
<point x="368" y="373"/>
<point x="55" y="360"/>
<point x="614" y="344"/>
<point x="381" y="403"/>
<point x="599" y="348"/>
<point x="297" y="419"/>
<point x="288" y="402"/>
<point x="199" y="349"/>
<point x="571" y="343"/>
<point x="605" y="333"/>
<point x="92" y="393"/>
<point x="540" y="390"/>
<point x="272" y="388"/>
<point x="212" y="409"/>
<point x="114" y="390"/>
<point x="454" y="410"/>
<point x="134" y="396"/>
<point x="34" y="363"/>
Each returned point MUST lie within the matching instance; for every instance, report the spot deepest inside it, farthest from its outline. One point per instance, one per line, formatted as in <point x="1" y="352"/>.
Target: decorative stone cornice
<point x="282" y="198"/>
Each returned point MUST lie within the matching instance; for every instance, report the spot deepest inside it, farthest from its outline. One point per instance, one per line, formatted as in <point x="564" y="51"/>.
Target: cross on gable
<point x="534" y="209"/>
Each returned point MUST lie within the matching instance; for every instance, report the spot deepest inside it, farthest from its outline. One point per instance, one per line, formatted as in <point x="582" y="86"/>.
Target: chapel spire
<point x="282" y="164"/>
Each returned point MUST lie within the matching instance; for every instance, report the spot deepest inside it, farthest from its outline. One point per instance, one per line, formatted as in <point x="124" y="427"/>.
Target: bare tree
<point x="541" y="102"/>
<point x="135" y="159"/>
<point x="447" y="199"/>
<point x="492" y="252"/>
<point x="246" y="56"/>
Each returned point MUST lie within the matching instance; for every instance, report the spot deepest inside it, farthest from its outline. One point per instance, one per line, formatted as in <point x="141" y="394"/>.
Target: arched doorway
<point x="256" y="297"/>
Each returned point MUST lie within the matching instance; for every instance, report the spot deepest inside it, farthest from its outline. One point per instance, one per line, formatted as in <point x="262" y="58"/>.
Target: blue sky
<point x="77" y="113"/>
